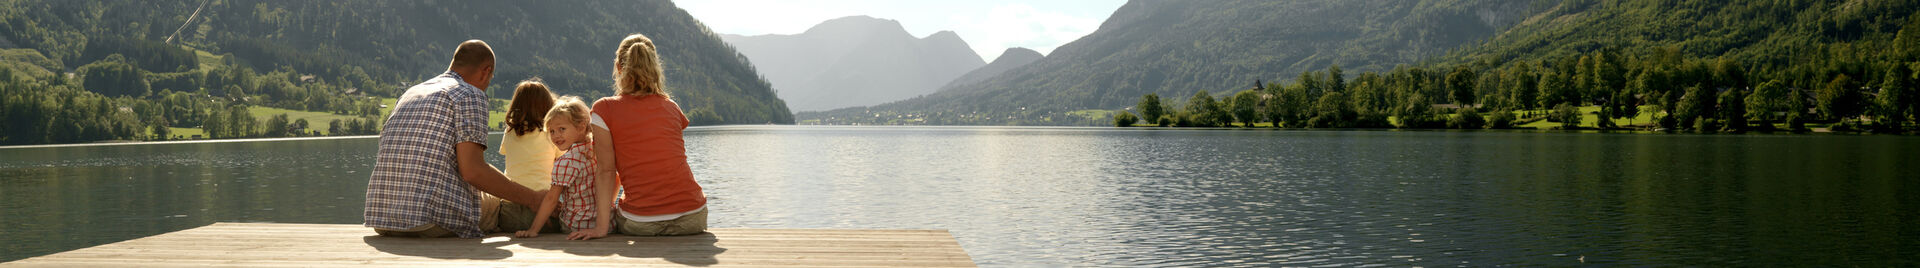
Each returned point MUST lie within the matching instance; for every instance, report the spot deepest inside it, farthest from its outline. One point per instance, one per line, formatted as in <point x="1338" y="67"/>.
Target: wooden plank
<point x="306" y="245"/>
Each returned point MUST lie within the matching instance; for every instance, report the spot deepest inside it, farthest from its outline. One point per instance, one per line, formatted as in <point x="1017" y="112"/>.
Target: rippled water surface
<point x="1099" y="196"/>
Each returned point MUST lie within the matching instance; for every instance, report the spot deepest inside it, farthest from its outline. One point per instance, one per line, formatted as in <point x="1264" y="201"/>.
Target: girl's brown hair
<point x="528" y="109"/>
<point x="637" y="69"/>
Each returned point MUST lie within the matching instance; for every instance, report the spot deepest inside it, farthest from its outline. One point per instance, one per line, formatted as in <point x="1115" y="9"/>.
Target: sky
<point x="989" y="26"/>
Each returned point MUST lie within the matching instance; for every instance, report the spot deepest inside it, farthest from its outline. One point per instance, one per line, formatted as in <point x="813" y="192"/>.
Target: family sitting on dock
<point x="564" y="160"/>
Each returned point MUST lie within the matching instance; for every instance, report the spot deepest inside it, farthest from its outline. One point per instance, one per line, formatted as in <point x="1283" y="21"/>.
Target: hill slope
<point x="395" y="43"/>
<point x="855" y="61"/>
<point x="1012" y="58"/>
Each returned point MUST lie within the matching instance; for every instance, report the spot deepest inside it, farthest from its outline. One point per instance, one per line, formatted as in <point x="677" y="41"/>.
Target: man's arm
<point x="475" y="170"/>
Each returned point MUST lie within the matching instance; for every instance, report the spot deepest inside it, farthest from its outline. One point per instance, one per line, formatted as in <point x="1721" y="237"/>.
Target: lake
<point x="1017" y="196"/>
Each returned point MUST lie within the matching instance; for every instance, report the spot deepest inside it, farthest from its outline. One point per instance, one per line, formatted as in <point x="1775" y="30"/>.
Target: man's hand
<point x="527" y="233"/>
<point x="596" y="232"/>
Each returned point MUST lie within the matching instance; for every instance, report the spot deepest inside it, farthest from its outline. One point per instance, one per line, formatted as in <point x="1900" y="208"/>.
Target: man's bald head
<point x="473" y="60"/>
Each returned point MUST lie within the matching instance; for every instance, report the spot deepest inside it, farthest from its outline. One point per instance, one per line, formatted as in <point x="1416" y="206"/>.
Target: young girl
<point x="573" y="172"/>
<point x="529" y="153"/>
<point x="528" y="150"/>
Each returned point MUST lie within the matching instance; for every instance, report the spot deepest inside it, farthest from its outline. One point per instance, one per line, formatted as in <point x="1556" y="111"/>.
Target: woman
<point x="638" y="145"/>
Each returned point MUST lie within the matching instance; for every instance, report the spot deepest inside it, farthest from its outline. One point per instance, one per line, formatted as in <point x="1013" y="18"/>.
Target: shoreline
<point x="1817" y="131"/>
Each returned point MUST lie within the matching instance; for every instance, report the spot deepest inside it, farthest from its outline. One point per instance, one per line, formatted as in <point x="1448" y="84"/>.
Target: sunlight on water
<point x="1099" y="196"/>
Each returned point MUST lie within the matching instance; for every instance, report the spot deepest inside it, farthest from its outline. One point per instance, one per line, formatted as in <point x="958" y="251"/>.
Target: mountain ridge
<point x="856" y="60"/>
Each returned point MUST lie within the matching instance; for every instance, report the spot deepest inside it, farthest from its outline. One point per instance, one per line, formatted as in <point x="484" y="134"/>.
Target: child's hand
<point x="527" y="233"/>
<point x="590" y="233"/>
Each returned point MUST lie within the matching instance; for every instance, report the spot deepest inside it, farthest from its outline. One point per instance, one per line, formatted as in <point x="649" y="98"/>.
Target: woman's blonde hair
<point x="570" y="107"/>
<point x="637" y="68"/>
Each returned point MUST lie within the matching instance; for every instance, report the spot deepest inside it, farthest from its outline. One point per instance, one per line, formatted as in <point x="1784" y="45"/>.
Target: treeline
<point x="1843" y="89"/>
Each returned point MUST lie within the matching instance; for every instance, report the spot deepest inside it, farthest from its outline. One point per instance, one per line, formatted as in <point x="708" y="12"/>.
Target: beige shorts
<point x="689" y="224"/>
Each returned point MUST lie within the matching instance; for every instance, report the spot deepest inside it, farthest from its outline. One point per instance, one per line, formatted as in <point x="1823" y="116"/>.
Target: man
<point x="431" y="158"/>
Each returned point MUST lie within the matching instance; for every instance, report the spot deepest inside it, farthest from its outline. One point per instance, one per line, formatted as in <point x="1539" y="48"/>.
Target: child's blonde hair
<point x="570" y="107"/>
<point x="638" y="71"/>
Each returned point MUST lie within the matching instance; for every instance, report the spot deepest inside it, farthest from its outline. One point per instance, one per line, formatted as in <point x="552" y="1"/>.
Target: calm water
<point x="1094" y="196"/>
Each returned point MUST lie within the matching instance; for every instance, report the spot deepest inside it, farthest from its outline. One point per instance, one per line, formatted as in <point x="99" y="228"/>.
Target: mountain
<point x="855" y="61"/>
<point x="376" y="48"/>
<point x="1013" y="58"/>
<point x="1175" y="48"/>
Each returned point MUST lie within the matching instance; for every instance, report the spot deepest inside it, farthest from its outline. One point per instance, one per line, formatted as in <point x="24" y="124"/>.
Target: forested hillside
<point x="334" y="56"/>
<point x="1701" y="66"/>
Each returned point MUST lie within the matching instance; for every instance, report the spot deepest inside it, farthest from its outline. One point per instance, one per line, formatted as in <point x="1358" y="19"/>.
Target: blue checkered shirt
<point x="416" y="179"/>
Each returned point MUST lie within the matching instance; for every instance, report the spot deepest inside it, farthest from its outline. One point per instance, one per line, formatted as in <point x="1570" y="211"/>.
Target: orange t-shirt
<point x="650" y="154"/>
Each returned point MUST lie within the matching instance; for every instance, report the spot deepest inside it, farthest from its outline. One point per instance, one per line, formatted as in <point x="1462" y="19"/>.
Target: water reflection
<point x="1078" y="196"/>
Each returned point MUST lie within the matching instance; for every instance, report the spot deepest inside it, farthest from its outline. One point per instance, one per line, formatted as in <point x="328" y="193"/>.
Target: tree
<point x="1336" y="82"/>
<point x="1203" y="110"/>
<point x="1150" y="106"/>
<point x="1467" y="118"/>
<point x="159" y="128"/>
<point x="1732" y="111"/>
<point x="1554" y="90"/>
<point x="333" y="128"/>
<point x="299" y="127"/>
<point x="276" y="126"/>
<point x="1500" y="120"/>
<point x="1838" y="99"/>
<point x="1697" y="103"/>
<point x="1626" y="106"/>
<point x="240" y="122"/>
<point x="1894" y="106"/>
<point x="1603" y="119"/>
<point x="215" y="124"/>
<point x="1461" y="83"/>
<point x="114" y="77"/>
<point x="1331" y="111"/>
<point x="1245" y="107"/>
<point x="1796" y="111"/>
<point x="1568" y="115"/>
<point x="1124" y="119"/>
<point x="1766" y="101"/>
<point x="1523" y="87"/>
<point x="1417" y="112"/>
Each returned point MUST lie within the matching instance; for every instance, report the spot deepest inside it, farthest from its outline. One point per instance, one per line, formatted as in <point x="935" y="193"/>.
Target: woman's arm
<point x="540" y="218"/>
<point x="606" y="183"/>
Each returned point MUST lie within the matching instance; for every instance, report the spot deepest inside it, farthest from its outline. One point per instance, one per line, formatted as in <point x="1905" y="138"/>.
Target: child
<point x="529" y="153"/>
<point x="573" y="172"/>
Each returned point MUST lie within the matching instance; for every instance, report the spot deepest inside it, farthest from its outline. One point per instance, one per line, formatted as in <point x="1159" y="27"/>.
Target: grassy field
<point x="26" y="62"/>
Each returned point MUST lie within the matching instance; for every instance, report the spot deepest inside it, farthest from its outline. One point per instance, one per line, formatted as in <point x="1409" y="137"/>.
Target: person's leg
<point x="489" y="213"/>
<point x="423" y="231"/>
<point x="514" y="217"/>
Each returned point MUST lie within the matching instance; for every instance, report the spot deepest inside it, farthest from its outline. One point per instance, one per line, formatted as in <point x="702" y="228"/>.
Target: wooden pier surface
<point x="306" y="245"/>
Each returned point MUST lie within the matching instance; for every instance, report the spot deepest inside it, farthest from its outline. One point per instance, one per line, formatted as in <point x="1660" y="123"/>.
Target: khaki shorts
<point x="515" y="217"/>
<point x="689" y="224"/>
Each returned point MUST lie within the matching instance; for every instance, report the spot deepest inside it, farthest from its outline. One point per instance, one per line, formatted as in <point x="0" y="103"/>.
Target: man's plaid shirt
<point x="416" y="179"/>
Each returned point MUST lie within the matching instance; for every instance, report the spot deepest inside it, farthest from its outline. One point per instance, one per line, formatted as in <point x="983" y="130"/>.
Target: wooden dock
<point x="305" y="245"/>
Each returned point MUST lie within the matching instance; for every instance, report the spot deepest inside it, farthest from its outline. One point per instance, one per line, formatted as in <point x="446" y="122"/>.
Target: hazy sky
<point x="989" y="26"/>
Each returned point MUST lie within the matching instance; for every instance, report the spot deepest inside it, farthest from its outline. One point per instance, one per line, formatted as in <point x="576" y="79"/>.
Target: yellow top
<point x="529" y="158"/>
